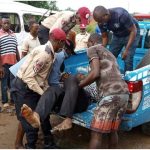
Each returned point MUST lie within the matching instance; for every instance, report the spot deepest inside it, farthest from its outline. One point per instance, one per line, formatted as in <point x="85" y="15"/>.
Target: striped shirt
<point x="8" y="47"/>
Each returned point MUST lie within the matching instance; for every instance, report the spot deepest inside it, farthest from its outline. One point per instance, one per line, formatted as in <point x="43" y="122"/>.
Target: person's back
<point x="110" y="81"/>
<point x="116" y="23"/>
<point x="57" y="20"/>
<point x="126" y="32"/>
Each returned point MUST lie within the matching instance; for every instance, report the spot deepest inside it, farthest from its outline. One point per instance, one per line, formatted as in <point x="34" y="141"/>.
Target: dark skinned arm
<point x="93" y="75"/>
<point x="17" y="54"/>
<point x="23" y="54"/>
<point x="1" y="69"/>
<point x="104" y="39"/>
<point x="132" y="36"/>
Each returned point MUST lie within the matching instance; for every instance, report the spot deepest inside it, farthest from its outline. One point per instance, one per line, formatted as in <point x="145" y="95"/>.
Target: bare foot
<point x="31" y="117"/>
<point x="65" y="125"/>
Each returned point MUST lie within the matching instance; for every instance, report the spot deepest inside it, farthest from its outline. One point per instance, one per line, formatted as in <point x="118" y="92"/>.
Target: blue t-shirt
<point x="120" y="21"/>
<point x="55" y="73"/>
<point x="97" y="30"/>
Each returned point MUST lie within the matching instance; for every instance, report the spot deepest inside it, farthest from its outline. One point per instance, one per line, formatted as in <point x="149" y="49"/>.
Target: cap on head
<point x="85" y="14"/>
<point x="82" y="26"/>
<point x="58" y="34"/>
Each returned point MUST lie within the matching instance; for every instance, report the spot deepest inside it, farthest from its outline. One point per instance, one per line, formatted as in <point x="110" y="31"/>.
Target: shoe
<point x="29" y="147"/>
<point x="6" y="105"/>
<point x="51" y="146"/>
<point x="49" y="143"/>
<point x="11" y="103"/>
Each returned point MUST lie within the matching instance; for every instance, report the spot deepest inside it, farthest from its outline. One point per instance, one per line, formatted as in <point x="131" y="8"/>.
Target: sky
<point x="142" y="6"/>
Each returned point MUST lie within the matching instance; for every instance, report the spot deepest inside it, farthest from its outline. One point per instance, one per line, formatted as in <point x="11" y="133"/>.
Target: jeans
<point x="6" y="83"/>
<point x="119" y="42"/>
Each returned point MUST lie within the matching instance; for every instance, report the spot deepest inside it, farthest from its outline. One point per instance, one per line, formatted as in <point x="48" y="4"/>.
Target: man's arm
<point x="104" y="39"/>
<point x="133" y="31"/>
<point x="93" y="75"/>
<point x="17" y="54"/>
<point x="24" y="48"/>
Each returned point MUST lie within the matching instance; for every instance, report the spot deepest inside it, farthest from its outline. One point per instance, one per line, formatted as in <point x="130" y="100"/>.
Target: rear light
<point x="135" y="86"/>
<point x="135" y="89"/>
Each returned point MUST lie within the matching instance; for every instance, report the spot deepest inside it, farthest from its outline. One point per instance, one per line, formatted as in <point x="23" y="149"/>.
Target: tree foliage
<point x="70" y="9"/>
<point x="42" y="4"/>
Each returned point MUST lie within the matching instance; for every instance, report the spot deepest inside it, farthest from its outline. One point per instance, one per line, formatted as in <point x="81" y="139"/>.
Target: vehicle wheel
<point x="145" y="61"/>
<point x="146" y="128"/>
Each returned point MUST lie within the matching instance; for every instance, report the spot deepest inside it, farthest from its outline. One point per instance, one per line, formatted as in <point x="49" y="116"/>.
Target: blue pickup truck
<point x="138" y="111"/>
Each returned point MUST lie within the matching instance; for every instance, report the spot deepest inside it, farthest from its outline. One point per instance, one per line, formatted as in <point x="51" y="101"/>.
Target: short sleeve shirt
<point x="119" y="22"/>
<point x="110" y="81"/>
<point x="30" y="43"/>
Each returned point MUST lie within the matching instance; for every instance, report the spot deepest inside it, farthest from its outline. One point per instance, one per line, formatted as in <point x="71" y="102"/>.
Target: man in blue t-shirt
<point x="125" y="30"/>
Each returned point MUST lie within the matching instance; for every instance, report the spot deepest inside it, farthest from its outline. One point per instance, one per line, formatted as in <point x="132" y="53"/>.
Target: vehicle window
<point x="14" y="19"/>
<point x="28" y="17"/>
<point x="141" y="36"/>
<point x="147" y="39"/>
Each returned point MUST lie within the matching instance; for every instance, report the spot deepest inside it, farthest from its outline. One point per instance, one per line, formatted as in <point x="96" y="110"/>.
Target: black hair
<point x="96" y="38"/>
<point x="100" y="11"/>
<point x="31" y="22"/>
<point x="70" y="46"/>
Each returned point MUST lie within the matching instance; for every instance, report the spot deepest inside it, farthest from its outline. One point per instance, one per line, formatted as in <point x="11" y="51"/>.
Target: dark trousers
<point x="68" y="100"/>
<point x="6" y="83"/>
<point x="23" y="95"/>
<point x="43" y="34"/>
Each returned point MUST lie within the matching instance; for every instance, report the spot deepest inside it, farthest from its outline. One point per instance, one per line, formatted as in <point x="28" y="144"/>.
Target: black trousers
<point x="68" y="100"/>
<point x="43" y="34"/>
<point x="23" y="95"/>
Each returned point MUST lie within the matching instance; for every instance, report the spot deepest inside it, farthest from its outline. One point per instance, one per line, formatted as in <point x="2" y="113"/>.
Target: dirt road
<point x="77" y="137"/>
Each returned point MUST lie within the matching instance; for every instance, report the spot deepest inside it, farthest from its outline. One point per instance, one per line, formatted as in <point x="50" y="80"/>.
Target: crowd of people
<point x="38" y="85"/>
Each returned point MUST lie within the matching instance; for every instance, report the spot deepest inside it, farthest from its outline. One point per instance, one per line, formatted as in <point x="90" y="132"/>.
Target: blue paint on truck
<point x="138" y="82"/>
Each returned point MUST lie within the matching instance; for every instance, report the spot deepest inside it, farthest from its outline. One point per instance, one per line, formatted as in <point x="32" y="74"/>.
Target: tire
<point x="145" y="61"/>
<point x="146" y="128"/>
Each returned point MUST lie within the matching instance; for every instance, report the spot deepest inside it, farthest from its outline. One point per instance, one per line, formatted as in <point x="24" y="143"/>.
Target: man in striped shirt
<point x="8" y="56"/>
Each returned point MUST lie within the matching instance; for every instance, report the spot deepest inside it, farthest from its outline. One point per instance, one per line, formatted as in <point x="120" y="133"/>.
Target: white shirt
<point x="30" y="43"/>
<point x="81" y="41"/>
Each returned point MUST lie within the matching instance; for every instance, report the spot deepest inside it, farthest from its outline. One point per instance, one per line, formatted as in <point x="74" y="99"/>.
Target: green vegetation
<point x="42" y="4"/>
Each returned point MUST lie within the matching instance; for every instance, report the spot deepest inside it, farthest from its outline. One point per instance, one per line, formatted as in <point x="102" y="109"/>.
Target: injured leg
<point x="65" y="125"/>
<point x="31" y="117"/>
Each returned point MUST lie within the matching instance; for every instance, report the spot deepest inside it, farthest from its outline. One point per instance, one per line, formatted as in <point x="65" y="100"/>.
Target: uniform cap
<point x="58" y="34"/>
<point x="85" y="14"/>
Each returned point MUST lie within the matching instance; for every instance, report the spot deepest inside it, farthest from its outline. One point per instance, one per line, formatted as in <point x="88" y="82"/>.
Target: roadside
<point x="76" y="138"/>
